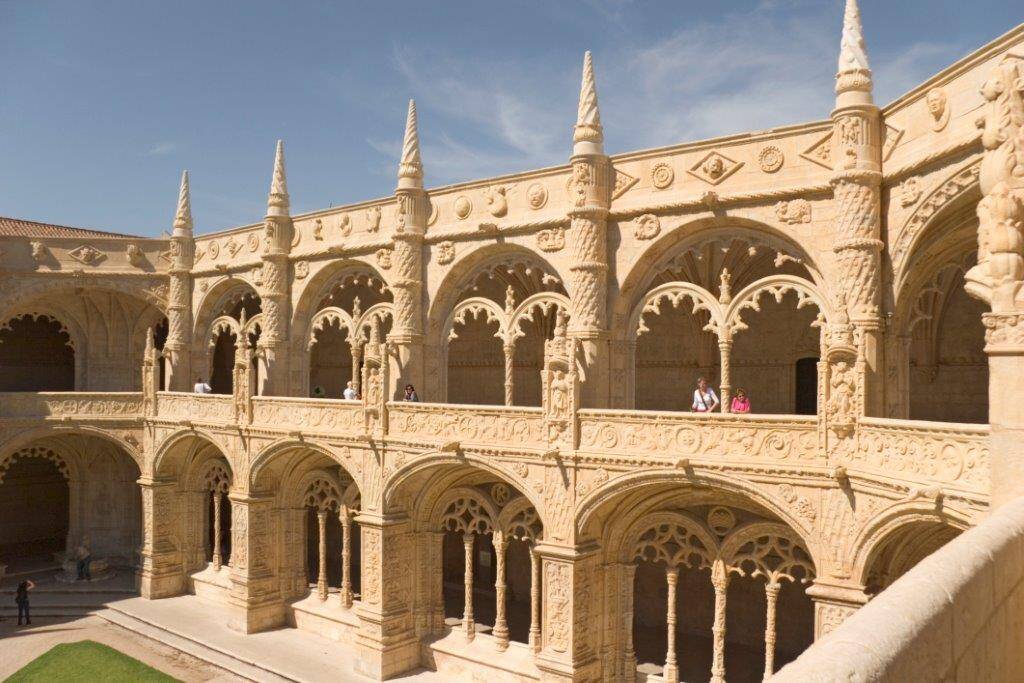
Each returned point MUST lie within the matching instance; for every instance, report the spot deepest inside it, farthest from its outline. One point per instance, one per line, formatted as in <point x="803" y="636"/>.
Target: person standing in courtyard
<point x="704" y="398"/>
<point x="21" y="598"/>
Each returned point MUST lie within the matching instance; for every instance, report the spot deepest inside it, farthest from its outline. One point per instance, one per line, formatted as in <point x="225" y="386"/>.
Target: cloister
<point x="551" y="508"/>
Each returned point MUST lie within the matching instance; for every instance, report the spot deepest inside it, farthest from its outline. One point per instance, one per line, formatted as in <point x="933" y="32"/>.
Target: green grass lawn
<point x="86" y="660"/>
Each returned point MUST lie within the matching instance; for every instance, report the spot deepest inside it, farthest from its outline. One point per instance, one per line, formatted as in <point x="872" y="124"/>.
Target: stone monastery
<point x="552" y="508"/>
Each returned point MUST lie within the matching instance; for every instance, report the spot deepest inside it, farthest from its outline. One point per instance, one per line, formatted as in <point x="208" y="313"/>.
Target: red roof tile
<point x="16" y="227"/>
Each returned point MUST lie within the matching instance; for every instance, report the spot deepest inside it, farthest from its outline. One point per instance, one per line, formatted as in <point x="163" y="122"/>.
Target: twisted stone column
<point x="467" y="613"/>
<point x="725" y="386"/>
<point x="217" y="559"/>
<point x="720" y="581"/>
<point x="346" y="557"/>
<point x="510" y="352"/>
<point x="534" y="640"/>
<point x="671" y="672"/>
<point x="500" y="625"/>
<point x="771" y="592"/>
<point x="321" y="577"/>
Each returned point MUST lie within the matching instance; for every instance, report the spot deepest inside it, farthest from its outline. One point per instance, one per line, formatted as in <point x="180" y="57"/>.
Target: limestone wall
<point x="956" y="616"/>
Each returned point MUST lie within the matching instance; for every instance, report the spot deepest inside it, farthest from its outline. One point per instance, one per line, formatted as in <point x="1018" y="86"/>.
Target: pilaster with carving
<point x="182" y="251"/>
<point x="560" y="387"/>
<point x="160" y="574"/>
<point x="275" y="289"/>
<point x="857" y="130"/>
<point x="998" y="278"/>
<point x="412" y="209"/>
<point x="387" y="635"/>
<point x="255" y="590"/>
<point x="834" y="602"/>
<point x="591" y="187"/>
<point x="572" y="581"/>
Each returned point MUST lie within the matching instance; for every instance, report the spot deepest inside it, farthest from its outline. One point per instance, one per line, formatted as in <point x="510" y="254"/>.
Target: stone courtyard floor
<point x="184" y="637"/>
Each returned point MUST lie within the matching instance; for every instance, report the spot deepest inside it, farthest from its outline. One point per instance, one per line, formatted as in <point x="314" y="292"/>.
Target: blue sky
<point x="103" y="103"/>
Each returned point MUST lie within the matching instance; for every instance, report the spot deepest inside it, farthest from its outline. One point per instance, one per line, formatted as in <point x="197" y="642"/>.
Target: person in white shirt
<point x="704" y="398"/>
<point x="350" y="392"/>
<point x="202" y="387"/>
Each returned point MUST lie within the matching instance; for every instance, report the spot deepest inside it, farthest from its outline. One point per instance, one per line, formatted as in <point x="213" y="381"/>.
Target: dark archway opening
<point x="36" y="355"/>
<point x="806" y="382"/>
<point x="34" y="509"/>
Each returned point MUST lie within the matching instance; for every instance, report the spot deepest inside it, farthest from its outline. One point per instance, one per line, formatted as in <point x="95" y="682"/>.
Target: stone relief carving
<point x="646" y="227"/>
<point x="551" y="239"/>
<point x="794" y="211"/>
<point x="662" y="175"/>
<point x="232" y="246"/>
<point x="909" y="191"/>
<point x="445" y="253"/>
<point x="301" y="269"/>
<point x="318" y="230"/>
<point x="537" y="196"/>
<point x="770" y="159"/>
<point x="497" y="202"/>
<point x="373" y="219"/>
<point x="214" y="250"/>
<point x="134" y="255"/>
<point x="714" y="167"/>
<point x="820" y="151"/>
<point x="39" y="251"/>
<point x="938" y="107"/>
<point x="463" y="207"/>
<point x="623" y="181"/>
<point x="345" y="224"/>
<point x="384" y="258"/>
<point x="87" y="254"/>
<point x="253" y="242"/>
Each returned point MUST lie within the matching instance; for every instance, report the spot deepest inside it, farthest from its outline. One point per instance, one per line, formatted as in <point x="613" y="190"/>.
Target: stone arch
<point x="179" y="449"/>
<point x="933" y="210"/>
<point x="477" y="527"/>
<point x="508" y="276"/>
<point x="319" y="285"/>
<point x="651" y="486"/>
<point x="220" y="292"/>
<point x="260" y="477"/>
<point x="704" y="541"/>
<point x="893" y="521"/>
<point x="777" y="286"/>
<point x="656" y="256"/>
<point x="30" y="436"/>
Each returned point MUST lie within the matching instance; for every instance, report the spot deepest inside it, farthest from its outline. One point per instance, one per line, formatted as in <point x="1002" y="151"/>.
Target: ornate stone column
<point x="275" y="291"/>
<point x="468" y="625"/>
<point x="346" y="556"/>
<point x="357" y="358"/>
<point x="510" y="387"/>
<point x="629" y="653"/>
<point x="321" y="576"/>
<point x="998" y="279"/>
<point x="386" y="641"/>
<point x="218" y="561"/>
<point x="720" y="582"/>
<point x="771" y="593"/>
<point x="255" y="591"/>
<point x="592" y="180"/>
<point x="834" y="601"/>
<point x="177" y="348"/>
<point x="500" y="631"/>
<point x="534" y="640"/>
<point x="671" y="672"/>
<point x="570" y="641"/>
<point x="412" y="209"/>
<point x="856" y="181"/>
<point x="161" y="573"/>
<point x="725" y="386"/>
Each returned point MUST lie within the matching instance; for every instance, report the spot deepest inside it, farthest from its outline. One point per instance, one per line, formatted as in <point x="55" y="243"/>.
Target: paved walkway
<point x="281" y="654"/>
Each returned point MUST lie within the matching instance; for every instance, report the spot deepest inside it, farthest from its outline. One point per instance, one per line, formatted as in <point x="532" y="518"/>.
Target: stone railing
<point x="70" y="404"/>
<point x="956" y="616"/>
<point x="343" y="418"/>
<point x="929" y="452"/>
<point x="488" y="425"/>
<point x="208" y="408"/>
<point x="692" y="435"/>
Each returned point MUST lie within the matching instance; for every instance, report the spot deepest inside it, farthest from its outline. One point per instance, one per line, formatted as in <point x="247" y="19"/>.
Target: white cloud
<point x="161" y="149"/>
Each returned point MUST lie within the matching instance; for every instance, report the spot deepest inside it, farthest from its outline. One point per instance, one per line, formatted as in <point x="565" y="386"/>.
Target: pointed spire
<point x="277" y="200"/>
<point x="410" y="166"/>
<point x="854" y="74"/>
<point x="588" y="136"/>
<point x="183" y="215"/>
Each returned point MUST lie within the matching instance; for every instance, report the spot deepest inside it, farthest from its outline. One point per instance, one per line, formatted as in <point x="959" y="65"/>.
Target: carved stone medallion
<point x="662" y="175"/>
<point x="463" y="207"/>
<point x="537" y="196"/>
<point x="770" y="159"/>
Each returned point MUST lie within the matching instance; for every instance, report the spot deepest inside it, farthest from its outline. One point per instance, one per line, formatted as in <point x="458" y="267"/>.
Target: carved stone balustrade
<point x="491" y="426"/>
<point x="77" y="405"/>
<point x="341" y="418"/>
<point x="205" y="408"/>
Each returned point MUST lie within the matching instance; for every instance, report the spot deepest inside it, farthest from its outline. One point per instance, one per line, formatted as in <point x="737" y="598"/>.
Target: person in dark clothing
<point x="21" y="597"/>
<point x="410" y="394"/>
